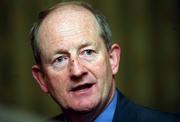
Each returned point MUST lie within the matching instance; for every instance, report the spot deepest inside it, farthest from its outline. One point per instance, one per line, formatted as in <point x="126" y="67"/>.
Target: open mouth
<point x="82" y="87"/>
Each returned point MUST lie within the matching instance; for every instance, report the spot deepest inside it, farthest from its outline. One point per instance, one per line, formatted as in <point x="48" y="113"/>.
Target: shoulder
<point x="126" y="110"/>
<point x="145" y="114"/>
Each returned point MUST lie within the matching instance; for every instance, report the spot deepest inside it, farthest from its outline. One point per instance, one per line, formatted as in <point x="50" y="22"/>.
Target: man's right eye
<point x="60" y="62"/>
<point x="60" y="59"/>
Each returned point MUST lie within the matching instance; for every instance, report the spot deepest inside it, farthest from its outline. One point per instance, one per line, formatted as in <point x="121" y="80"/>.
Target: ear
<point x="114" y="53"/>
<point x="40" y="78"/>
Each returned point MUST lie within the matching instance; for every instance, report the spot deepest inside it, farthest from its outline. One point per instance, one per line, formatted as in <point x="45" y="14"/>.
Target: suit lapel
<point x="125" y="110"/>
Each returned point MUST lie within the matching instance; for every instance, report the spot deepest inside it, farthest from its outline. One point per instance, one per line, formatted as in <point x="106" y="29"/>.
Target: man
<point x="76" y="64"/>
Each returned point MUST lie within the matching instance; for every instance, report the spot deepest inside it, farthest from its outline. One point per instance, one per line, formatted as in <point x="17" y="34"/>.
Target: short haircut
<point x="105" y="31"/>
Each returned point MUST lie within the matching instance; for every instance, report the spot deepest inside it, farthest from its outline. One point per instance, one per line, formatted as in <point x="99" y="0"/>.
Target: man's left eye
<point x="88" y="52"/>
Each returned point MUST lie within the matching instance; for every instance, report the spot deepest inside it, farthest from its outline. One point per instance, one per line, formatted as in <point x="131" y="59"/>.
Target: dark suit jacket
<point x="127" y="111"/>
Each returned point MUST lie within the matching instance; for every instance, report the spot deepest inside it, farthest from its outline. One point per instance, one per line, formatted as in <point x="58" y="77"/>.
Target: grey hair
<point x="101" y="20"/>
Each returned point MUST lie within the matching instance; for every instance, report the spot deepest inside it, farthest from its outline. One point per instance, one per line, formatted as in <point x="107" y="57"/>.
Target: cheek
<point x="102" y="68"/>
<point x="57" y="84"/>
<point x="55" y="79"/>
<point x="58" y="91"/>
<point x="104" y="74"/>
<point x="102" y="71"/>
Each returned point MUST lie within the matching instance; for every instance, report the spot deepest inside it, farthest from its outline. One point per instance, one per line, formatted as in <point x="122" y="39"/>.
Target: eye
<point x="60" y="59"/>
<point x="88" y="52"/>
<point x="60" y="62"/>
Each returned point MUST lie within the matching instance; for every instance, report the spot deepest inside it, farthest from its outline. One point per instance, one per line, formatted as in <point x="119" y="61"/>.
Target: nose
<point x="77" y="70"/>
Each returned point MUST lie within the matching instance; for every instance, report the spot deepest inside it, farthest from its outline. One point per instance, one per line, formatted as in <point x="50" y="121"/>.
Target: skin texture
<point x="77" y="70"/>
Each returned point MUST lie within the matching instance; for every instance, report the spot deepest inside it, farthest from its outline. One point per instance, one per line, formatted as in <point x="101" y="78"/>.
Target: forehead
<point x="66" y="18"/>
<point x="68" y="23"/>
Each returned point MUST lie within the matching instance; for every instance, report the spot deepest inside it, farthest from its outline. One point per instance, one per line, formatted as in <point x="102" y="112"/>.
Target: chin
<point x="84" y="106"/>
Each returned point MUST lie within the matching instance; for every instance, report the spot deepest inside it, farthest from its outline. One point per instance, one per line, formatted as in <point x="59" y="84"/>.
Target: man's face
<point x="76" y="67"/>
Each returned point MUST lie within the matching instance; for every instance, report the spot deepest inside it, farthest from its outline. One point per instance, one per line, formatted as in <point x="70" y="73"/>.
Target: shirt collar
<point x="108" y="113"/>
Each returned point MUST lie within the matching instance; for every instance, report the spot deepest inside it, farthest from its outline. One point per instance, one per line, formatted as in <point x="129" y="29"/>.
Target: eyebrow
<point x="85" y="44"/>
<point x="61" y="51"/>
<point x="82" y="45"/>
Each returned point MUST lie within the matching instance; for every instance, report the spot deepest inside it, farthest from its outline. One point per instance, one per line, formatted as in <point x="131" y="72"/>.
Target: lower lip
<point x="83" y="92"/>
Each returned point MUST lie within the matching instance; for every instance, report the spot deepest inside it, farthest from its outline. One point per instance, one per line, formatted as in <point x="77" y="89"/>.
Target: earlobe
<point x="115" y="52"/>
<point x="40" y="78"/>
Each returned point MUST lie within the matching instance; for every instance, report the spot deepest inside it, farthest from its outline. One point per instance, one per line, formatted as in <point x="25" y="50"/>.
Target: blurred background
<point x="147" y="30"/>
